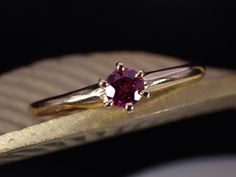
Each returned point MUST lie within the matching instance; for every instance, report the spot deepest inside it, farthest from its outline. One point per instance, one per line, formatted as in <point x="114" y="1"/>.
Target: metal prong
<point x="129" y="107"/>
<point x="140" y="73"/>
<point x="146" y="84"/>
<point x="120" y="67"/>
<point x="103" y="83"/>
<point x="146" y="94"/>
<point x="109" y="103"/>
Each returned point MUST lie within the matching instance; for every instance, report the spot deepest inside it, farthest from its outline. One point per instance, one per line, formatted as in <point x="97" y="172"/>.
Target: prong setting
<point x="146" y="84"/>
<point x="129" y="107"/>
<point x="109" y="103"/>
<point x="103" y="83"/>
<point x="124" y="85"/>
<point x="120" y="67"/>
<point x="145" y="94"/>
<point x="139" y="74"/>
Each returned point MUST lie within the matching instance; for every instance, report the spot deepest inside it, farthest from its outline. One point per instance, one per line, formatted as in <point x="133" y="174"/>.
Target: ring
<point x="123" y="88"/>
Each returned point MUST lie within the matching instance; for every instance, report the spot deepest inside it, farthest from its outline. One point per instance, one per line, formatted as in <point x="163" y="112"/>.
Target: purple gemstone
<point x="125" y="87"/>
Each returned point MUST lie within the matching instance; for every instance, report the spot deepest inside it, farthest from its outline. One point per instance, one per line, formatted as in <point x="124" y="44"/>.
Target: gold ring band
<point x="95" y="95"/>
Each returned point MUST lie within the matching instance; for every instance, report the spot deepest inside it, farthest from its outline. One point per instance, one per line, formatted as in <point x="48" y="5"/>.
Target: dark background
<point x="198" y="30"/>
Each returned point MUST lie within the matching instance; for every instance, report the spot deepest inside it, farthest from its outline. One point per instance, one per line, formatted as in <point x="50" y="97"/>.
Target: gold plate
<point x="24" y="136"/>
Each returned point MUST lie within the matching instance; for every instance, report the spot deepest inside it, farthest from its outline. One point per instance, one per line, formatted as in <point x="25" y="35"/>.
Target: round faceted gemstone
<point x="124" y="87"/>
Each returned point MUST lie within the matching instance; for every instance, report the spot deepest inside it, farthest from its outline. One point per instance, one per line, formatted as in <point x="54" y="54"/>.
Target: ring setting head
<point x="123" y="87"/>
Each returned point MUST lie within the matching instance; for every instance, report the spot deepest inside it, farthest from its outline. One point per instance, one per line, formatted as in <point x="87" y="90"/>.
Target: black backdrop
<point x="198" y="30"/>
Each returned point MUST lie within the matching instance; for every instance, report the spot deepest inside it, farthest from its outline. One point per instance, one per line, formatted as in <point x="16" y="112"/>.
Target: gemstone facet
<point x="124" y="87"/>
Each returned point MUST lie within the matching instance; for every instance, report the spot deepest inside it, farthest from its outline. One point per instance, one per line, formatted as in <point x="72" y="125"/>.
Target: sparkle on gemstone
<point x="110" y="91"/>
<point x="137" y="96"/>
<point x="124" y="87"/>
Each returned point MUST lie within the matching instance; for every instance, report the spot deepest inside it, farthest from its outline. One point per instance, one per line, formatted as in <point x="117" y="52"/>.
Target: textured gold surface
<point x="216" y="91"/>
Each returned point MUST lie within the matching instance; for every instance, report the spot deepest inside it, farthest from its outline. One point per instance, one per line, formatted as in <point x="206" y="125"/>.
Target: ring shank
<point x="92" y="96"/>
<point x="83" y="99"/>
<point x="155" y="80"/>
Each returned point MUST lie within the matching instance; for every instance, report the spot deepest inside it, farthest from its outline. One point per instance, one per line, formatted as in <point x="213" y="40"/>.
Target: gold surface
<point x="216" y="91"/>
